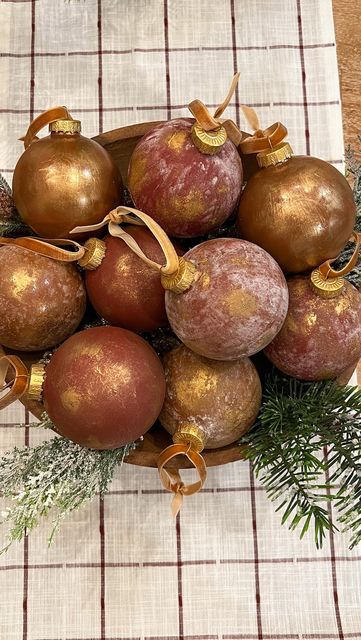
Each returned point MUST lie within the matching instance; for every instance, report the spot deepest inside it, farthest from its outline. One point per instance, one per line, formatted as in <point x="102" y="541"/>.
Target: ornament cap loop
<point x="171" y="479"/>
<point x="65" y="126"/>
<point x="326" y="287"/>
<point x="94" y="254"/>
<point x="188" y="433"/>
<point x="209" y="142"/>
<point x="275" y="155"/>
<point x="36" y="381"/>
<point x="182" y="279"/>
<point x="19" y="384"/>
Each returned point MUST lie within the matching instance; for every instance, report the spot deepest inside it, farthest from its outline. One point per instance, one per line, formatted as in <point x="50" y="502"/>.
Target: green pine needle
<point x="306" y="449"/>
<point x="55" y="477"/>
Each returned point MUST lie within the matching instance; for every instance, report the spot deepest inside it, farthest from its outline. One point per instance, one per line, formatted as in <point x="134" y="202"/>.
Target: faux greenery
<point x="53" y="478"/>
<point x="306" y="449"/>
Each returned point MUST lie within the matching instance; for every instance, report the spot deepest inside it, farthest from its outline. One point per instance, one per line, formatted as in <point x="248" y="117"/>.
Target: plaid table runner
<point x="122" y="568"/>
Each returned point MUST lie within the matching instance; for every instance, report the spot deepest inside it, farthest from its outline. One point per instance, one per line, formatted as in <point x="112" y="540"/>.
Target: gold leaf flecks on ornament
<point x="240" y="303"/>
<point x="177" y="140"/>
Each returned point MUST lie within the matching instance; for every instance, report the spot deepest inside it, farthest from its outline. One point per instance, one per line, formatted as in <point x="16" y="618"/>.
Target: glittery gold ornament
<point x="64" y="179"/>
<point x="220" y="399"/>
<point x="298" y="208"/>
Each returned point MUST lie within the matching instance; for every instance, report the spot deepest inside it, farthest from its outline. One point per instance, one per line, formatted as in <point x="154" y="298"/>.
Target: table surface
<point x="347" y="17"/>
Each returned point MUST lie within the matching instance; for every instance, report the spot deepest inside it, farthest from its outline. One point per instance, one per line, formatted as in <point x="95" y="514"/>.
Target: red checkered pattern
<point x="122" y="569"/>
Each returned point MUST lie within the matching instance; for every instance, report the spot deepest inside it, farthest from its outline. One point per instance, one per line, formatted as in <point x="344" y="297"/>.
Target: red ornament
<point x="186" y="191"/>
<point x="42" y="301"/>
<point x="123" y="289"/>
<point x="236" y="304"/>
<point x="321" y="337"/>
<point x="103" y="388"/>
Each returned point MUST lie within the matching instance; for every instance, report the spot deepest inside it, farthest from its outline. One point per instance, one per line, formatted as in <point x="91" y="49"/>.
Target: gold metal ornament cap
<point x="35" y="386"/>
<point x="65" y="126"/>
<point x="182" y="279"/>
<point x="326" y="287"/>
<point x="209" y="142"/>
<point x="188" y="433"/>
<point x="94" y="255"/>
<point x="275" y="155"/>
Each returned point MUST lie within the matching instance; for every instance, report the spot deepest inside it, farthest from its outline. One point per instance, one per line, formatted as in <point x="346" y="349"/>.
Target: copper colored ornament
<point x="321" y="336"/>
<point x="65" y="179"/>
<point x="236" y="303"/>
<point x="216" y="401"/>
<point x="103" y="388"/>
<point x="298" y="208"/>
<point x="42" y="301"/>
<point x="123" y="289"/>
<point x="185" y="190"/>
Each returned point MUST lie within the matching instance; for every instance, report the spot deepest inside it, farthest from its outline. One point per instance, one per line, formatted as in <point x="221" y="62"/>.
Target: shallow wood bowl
<point x="120" y="144"/>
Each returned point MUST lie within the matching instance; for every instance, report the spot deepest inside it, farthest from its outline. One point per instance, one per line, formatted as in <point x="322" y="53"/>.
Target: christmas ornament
<point x="123" y="289"/>
<point x="208" y="404"/>
<point x="42" y="301"/>
<point x="216" y="401"/>
<point x="321" y="336"/>
<point x="226" y="298"/>
<point x="298" y="208"/>
<point x="64" y="179"/>
<point x="104" y="387"/>
<point x="187" y="174"/>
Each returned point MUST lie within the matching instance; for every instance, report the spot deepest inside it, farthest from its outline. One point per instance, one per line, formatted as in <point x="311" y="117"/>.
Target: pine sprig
<point x="55" y="477"/>
<point x="306" y="449"/>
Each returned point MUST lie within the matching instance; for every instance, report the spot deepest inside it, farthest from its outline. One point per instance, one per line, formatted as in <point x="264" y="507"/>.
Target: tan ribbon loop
<point x="263" y="139"/>
<point x="171" y="479"/>
<point x="325" y="268"/>
<point x="48" y="248"/>
<point x="209" y="123"/>
<point x="18" y="386"/>
<point x="122" y="215"/>
<point x="45" y="118"/>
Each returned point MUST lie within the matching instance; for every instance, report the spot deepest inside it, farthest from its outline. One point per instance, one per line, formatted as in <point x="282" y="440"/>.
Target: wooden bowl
<point x="120" y="144"/>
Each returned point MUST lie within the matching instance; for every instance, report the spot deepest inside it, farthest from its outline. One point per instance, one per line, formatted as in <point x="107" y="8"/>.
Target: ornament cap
<point x="182" y="279"/>
<point x="209" y="142"/>
<point x="65" y="126"/>
<point x="36" y="381"/>
<point x="275" y="155"/>
<point x="94" y="255"/>
<point x="326" y="287"/>
<point x="189" y="433"/>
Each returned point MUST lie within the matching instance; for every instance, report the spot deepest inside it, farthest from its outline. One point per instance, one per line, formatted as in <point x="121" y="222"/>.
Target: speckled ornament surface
<point x="236" y="306"/>
<point x="63" y="181"/>
<point x="301" y="211"/>
<point x="126" y="291"/>
<point x="321" y="337"/>
<point x="186" y="191"/>
<point x="104" y="387"/>
<point x="220" y="398"/>
<point x="42" y="301"/>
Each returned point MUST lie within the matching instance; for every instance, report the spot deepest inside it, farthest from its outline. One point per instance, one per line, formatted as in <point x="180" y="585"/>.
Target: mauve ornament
<point x="187" y="173"/>
<point x="42" y="301"/>
<point x="236" y="304"/>
<point x="65" y="179"/>
<point x="123" y="289"/>
<point x="321" y="336"/>
<point x="103" y="388"/>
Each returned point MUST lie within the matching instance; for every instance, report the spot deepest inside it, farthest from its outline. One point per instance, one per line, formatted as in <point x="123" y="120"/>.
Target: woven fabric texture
<point x="122" y="569"/>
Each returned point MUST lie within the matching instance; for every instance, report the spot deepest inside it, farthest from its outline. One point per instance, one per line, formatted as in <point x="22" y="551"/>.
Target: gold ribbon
<point x="48" y="248"/>
<point x="45" y="118"/>
<point x="325" y="268"/>
<point x="209" y="123"/>
<point x="18" y="386"/>
<point x="122" y="214"/>
<point x="171" y="479"/>
<point x="262" y="139"/>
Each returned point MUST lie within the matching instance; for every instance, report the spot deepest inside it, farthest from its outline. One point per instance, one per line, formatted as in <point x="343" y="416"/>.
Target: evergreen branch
<point x="296" y="422"/>
<point x="57" y="476"/>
